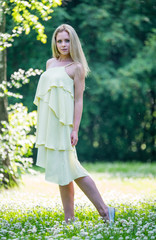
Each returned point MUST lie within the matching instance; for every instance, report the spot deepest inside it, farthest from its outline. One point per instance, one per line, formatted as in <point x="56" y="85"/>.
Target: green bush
<point x="17" y="141"/>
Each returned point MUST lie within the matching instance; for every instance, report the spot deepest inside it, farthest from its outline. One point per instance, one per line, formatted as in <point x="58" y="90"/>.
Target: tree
<point x="25" y="15"/>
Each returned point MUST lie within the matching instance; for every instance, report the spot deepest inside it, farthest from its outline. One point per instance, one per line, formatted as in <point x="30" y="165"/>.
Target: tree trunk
<point x="3" y="71"/>
<point x="5" y="166"/>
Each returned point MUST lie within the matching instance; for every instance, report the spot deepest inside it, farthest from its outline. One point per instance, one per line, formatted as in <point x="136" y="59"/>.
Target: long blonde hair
<point x="76" y="51"/>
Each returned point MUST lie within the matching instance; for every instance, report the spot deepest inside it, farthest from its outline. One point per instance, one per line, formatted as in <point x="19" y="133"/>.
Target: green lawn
<point x="34" y="211"/>
<point x="122" y="169"/>
<point x="129" y="169"/>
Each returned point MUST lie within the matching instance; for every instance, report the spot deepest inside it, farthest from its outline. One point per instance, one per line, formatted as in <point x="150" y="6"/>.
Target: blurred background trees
<point x="119" y="40"/>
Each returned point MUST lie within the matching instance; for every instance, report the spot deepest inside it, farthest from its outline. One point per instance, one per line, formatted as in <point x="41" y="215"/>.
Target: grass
<point x="123" y="169"/>
<point x="34" y="210"/>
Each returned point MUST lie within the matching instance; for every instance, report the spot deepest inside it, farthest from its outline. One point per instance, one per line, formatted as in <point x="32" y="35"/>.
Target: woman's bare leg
<point x="67" y="196"/>
<point x="88" y="186"/>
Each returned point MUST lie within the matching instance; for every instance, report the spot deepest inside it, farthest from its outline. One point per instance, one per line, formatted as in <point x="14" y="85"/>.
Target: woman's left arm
<point x="79" y="83"/>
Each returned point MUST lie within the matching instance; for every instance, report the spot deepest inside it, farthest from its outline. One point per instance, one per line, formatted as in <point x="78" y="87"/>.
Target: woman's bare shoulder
<point x="49" y="62"/>
<point x="79" y="69"/>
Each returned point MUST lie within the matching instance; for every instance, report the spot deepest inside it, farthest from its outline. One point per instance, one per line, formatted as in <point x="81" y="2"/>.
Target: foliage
<point x="25" y="16"/>
<point x="118" y="38"/>
<point x="17" y="80"/>
<point x="119" y="116"/>
<point x="17" y="141"/>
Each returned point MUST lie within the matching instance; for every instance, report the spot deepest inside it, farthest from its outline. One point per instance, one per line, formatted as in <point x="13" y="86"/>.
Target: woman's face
<point x="63" y="43"/>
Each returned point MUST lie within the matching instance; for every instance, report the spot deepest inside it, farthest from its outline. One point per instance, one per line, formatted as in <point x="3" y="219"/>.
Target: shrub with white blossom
<point x="17" y="80"/>
<point x="16" y="138"/>
<point x="16" y="141"/>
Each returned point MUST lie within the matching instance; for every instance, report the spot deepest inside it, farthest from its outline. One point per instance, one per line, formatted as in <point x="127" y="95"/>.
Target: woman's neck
<point x="64" y="58"/>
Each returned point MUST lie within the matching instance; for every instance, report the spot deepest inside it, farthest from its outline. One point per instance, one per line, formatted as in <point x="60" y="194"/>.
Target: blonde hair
<point x="76" y="51"/>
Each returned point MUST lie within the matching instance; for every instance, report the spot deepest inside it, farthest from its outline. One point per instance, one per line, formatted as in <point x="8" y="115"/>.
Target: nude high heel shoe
<point x="111" y="212"/>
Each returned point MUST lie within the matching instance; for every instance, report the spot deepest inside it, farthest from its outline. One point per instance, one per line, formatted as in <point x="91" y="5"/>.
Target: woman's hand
<point x="74" y="137"/>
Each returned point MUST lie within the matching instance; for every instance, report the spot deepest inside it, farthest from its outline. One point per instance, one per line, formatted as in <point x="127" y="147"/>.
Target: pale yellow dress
<point x="55" y="101"/>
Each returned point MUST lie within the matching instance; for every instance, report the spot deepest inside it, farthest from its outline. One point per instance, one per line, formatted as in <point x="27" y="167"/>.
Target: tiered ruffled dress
<point x="55" y="101"/>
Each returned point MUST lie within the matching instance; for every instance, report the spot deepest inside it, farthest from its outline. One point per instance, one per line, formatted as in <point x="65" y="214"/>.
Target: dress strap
<point x="69" y="64"/>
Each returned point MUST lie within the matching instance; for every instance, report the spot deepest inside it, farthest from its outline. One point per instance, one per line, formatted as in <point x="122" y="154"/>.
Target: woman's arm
<point x="79" y="82"/>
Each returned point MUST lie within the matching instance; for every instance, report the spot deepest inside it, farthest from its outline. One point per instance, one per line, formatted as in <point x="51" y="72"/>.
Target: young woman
<point x="59" y="98"/>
